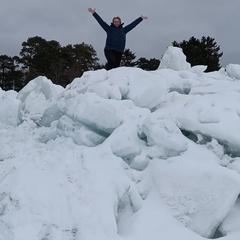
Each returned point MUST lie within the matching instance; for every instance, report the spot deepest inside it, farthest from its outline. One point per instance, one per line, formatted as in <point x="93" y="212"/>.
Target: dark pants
<point x="113" y="58"/>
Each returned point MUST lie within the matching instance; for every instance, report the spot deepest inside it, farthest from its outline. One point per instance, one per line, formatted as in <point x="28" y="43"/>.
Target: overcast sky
<point x="69" y="22"/>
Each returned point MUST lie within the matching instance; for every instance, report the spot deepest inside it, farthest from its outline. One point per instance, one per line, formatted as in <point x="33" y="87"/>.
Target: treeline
<point x="59" y="63"/>
<point x="62" y="64"/>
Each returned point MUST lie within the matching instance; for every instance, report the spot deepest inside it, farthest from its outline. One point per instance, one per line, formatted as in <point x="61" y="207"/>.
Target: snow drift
<point x="123" y="154"/>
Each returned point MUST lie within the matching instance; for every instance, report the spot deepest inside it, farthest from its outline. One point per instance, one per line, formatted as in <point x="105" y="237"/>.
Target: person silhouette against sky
<point x="116" y="38"/>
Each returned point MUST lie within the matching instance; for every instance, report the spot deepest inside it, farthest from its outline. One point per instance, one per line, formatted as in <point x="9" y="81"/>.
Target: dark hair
<point x="118" y="19"/>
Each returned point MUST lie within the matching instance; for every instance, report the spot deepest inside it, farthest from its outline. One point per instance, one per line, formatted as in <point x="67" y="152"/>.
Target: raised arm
<point x="103" y="24"/>
<point x="132" y="25"/>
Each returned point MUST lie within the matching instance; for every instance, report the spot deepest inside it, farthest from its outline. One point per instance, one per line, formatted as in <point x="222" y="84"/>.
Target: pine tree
<point x="37" y="57"/>
<point x="148" y="65"/>
<point x="78" y="59"/>
<point x="201" y="52"/>
<point x="128" y="59"/>
<point x="60" y="64"/>
<point x="10" y="75"/>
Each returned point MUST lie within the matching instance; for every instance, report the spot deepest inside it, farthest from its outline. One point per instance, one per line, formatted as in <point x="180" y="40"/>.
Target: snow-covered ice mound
<point x="174" y="59"/>
<point x="123" y="154"/>
<point x="38" y="95"/>
<point x="10" y="107"/>
<point x="233" y="70"/>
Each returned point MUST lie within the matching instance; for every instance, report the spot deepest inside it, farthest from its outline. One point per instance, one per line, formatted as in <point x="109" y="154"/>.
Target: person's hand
<point x="91" y="10"/>
<point x="144" y="17"/>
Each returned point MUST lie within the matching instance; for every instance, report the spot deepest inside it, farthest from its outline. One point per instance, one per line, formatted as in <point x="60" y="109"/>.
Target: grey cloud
<point x="169" y="20"/>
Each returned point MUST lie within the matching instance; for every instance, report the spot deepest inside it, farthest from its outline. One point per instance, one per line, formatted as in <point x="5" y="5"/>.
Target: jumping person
<point x="116" y="38"/>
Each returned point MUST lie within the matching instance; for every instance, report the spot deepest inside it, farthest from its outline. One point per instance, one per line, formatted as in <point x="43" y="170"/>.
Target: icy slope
<point x="124" y="154"/>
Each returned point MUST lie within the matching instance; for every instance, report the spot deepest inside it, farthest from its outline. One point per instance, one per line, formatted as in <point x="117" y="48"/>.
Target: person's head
<point x="116" y="21"/>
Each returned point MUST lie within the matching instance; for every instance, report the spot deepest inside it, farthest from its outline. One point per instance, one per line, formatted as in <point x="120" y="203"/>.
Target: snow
<point x="39" y="94"/>
<point x="123" y="154"/>
<point x="160" y="132"/>
<point x="123" y="83"/>
<point x="9" y="108"/>
<point x="192" y="193"/>
<point x="174" y="59"/>
<point x="130" y="147"/>
<point x="199" y="70"/>
<point x="95" y="112"/>
<point x="233" y="70"/>
<point x="206" y="114"/>
<point x="79" y="133"/>
<point x="235" y="164"/>
<point x="232" y="222"/>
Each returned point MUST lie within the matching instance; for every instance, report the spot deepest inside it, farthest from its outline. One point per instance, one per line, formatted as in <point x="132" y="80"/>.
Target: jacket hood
<point x="120" y="26"/>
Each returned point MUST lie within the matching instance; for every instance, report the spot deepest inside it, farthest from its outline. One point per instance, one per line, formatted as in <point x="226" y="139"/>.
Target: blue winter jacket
<point x="116" y="36"/>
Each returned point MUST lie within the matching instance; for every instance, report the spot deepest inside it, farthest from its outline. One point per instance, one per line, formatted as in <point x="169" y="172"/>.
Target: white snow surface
<point x="174" y="59"/>
<point x="10" y="107"/>
<point x="123" y="154"/>
<point x="233" y="70"/>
